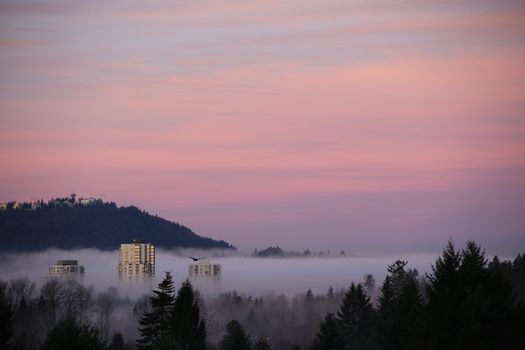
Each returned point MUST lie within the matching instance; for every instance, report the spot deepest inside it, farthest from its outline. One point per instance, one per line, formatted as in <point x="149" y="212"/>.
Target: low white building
<point x="66" y="268"/>
<point x="89" y="201"/>
<point x="203" y="268"/>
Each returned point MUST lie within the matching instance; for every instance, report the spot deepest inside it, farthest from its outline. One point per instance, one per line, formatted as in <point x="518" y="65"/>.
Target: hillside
<point x="89" y="223"/>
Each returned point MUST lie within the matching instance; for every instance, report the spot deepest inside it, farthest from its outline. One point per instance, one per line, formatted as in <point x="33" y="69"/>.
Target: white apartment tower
<point x="203" y="268"/>
<point x="136" y="260"/>
<point x="66" y="268"/>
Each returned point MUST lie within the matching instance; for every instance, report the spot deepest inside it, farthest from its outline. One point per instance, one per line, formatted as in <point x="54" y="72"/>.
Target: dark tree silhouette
<point x="187" y="326"/>
<point x="470" y="306"/>
<point x="400" y="309"/>
<point x="69" y="335"/>
<point x="355" y="319"/>
<point x="517" y="276"/>
<point x="155" y="330"/>
<point x="329" y="336"/>
<point x="117" y="342"/>
<point x="6" y="321"/>
<point x="235" y="338"/>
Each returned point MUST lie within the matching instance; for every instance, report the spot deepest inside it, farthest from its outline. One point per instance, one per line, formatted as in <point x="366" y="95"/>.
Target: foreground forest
<point x="465" y="302"/>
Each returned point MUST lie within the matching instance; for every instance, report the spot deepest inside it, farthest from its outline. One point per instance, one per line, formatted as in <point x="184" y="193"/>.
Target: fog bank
<point x="246" y="275"/>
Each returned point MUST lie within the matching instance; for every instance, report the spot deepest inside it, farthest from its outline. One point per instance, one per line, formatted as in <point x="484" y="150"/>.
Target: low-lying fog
<point x="247" y="275"/>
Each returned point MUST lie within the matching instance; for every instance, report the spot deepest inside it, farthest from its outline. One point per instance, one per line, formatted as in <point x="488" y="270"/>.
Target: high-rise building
<point x="203" y="268"/>
<point x="136" y="261"/>
<point x="66" y="268"/>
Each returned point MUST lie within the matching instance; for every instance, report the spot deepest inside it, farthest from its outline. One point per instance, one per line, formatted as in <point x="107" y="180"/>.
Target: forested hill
<point x="89" y="223"/>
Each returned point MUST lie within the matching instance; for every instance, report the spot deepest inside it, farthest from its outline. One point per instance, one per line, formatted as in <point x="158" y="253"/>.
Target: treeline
<point x="70" y="223"/>
<point x="63" y="312"/>
<point x="465" y="302"/>
<point x="277" y="252"/>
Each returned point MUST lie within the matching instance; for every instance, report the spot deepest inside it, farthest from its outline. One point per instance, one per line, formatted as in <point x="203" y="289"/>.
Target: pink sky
<point x="367" y="126"/>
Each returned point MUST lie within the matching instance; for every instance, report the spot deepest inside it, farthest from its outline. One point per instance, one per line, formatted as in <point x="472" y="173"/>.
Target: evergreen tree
<point x="329" y="336"/>
<point x="400" y="309"/>
<point x="155" y="325"/>
<point x="262" y="343"/>
<point x="444" y="300"/>
<point x="517" y="277"/>
<point x="188" y="328"/>
<point x="235" y="338"/>
<point x="471" y="306"/>
<point x="6" y="321"/>
<point x="355" y="319"/>
<point x="369" y="284"/>
<point x="69" y="335"/>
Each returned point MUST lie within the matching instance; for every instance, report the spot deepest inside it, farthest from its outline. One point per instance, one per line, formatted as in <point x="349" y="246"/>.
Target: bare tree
<point x="21" y="294"/>
<point x="20" y="289"/>
<point x="68" y="294"/>
<point x="105" y="305"/>
<point x="51" y="302"/>
<point x="84" y="302"/>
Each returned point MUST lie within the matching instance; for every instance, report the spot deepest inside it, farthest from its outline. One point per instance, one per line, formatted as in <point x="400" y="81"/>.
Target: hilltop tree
<point x="156" y="331"/>
<point x="235" y="338"/>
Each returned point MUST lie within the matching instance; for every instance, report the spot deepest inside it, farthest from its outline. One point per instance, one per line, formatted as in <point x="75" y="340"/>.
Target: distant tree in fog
<point x="235" y="338"/>
<point x="369" y="284"/>
<point x="355" y="318"/>
<point x="271" y="252"/>
<point x="329" y="336"/>
<point x="68" y="334"/>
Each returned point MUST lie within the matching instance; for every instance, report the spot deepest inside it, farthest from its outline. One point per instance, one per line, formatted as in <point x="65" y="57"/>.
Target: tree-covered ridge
<point x="69" y="223"/>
